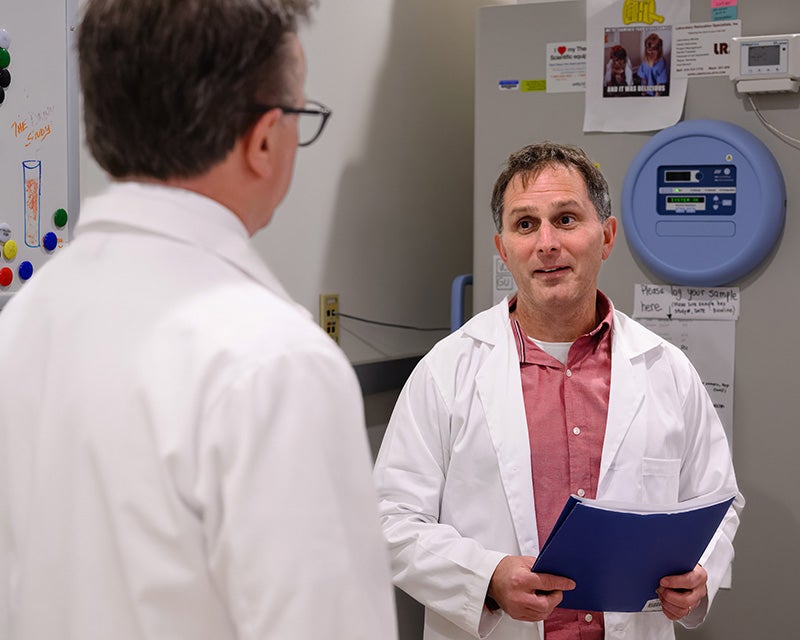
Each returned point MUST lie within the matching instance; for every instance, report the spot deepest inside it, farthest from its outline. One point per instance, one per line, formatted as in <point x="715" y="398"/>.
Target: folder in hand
<point x="617" y="553"/>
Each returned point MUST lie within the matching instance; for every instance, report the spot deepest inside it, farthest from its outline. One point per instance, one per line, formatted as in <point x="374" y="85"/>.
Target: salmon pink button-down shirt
<point x="566" y="407"/>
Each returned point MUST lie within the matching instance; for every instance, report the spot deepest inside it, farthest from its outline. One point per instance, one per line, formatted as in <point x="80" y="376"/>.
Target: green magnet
<point x="60" y="217"/>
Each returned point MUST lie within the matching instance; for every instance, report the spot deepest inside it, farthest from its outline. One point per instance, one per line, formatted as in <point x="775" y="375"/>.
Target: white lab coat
<point x="454" y="473"/>
<point x="184" y="450"/>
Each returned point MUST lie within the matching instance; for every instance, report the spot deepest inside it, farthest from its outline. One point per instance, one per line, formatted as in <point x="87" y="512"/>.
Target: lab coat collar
<point x="629" y="339"/>
<point x="182" y="215"/>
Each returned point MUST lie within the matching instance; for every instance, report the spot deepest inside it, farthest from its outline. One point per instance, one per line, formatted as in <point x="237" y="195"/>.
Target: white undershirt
<point x="559" y="350"/>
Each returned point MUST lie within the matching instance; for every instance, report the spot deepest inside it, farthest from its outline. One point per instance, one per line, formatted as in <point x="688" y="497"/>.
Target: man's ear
<point x="259" y="142"/>
<point x="501" y="248"/>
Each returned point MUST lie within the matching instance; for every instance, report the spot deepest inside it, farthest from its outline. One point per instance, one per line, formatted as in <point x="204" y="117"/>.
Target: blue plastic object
<point x="25" y="270"/>
<point x="50" y="241"/>
<point x="457" y="291"/>
<point x="703" y="203"/>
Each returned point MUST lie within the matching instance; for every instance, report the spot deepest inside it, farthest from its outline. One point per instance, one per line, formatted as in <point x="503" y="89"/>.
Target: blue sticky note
<point x="724" y="13"/>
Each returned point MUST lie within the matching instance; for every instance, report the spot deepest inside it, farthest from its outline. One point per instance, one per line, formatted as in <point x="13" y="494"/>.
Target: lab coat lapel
<point x="625" y="398"/>
<point x="500" y="392"/>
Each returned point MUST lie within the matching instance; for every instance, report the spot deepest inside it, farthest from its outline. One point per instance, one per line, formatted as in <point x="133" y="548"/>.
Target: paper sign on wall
<point x="629" y="83"/>
<point x="701" y="322"/>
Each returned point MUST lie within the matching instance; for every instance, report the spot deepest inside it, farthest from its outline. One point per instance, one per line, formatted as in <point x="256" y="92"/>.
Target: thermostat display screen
<point x="708" y="190"/>
<point x="760" y="56"/>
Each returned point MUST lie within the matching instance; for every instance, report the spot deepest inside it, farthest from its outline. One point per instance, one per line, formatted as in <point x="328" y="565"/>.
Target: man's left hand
<point x="680" y="595"/>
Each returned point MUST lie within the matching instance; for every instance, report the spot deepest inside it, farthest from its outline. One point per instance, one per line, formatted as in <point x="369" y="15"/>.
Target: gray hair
<point x="529" y="162"/>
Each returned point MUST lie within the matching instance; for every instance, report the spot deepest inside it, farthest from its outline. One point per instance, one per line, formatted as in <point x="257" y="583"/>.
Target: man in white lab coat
<point x="182" y="450"/>
<point x="551" y="393"/>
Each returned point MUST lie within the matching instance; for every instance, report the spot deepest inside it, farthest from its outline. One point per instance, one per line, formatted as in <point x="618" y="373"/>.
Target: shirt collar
<point x="532" y="354"/>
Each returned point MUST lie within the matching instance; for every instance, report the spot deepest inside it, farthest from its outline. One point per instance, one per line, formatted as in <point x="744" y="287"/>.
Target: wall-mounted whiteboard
<point x="39" y="147"/>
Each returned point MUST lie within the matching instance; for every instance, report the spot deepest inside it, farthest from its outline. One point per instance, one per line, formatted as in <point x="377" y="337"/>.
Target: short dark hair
<point x="618" y="52"/>
<point x="169" y="85"/>
<point x="529" y="162"/>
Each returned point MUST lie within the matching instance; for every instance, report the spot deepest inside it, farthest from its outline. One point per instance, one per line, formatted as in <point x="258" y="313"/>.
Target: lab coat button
<point x="588" y="617"/>
<point x="576" y="431"/>
<point x="569" y="373"/>
<point x="581" y="492"/>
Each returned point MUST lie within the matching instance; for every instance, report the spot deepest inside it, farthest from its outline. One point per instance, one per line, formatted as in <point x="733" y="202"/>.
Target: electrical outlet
<point x="329" y="314"/>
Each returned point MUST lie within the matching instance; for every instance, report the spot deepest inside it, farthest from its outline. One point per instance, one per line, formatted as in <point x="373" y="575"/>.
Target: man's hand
<point x="680" y="595"/>
<point x="524" y="595"/>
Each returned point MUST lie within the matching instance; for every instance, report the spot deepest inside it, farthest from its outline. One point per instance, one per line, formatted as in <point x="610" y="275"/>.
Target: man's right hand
<point x="524" y="595"/>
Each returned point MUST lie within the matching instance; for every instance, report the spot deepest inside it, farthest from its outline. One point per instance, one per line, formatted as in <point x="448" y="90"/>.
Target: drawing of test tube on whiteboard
<point x="32" y="174"/>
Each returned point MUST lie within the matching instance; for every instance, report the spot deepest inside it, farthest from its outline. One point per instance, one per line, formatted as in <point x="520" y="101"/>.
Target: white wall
<point x="381" y="205"/>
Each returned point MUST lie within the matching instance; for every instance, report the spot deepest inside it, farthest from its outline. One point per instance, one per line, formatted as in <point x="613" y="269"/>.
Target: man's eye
<point x="567" y="219"/>
<point x="525" y="225"/>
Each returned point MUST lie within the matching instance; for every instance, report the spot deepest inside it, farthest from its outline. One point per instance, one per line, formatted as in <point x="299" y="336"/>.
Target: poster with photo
<point x="629" y="55"/>
<point x="645" y="49"/>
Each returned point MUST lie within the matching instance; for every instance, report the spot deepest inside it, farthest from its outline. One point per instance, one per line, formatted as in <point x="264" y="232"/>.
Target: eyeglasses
<point x="310" y="122"/>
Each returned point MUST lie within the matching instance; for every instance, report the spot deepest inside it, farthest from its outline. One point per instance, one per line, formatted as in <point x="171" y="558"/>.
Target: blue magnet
<point x="25" y="270"/>
<point x="50" y="240"/>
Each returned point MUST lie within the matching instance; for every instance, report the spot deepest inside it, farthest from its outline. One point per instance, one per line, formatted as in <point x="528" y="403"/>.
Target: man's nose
<point x="547" y="238"/>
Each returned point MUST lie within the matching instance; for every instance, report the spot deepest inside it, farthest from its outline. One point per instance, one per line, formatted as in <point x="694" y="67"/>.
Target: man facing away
<point x="549" y="394"/>
<point x="182" y="449"/>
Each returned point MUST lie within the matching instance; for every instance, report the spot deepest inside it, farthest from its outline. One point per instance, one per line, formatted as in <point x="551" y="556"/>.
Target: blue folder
<point x="617" y="556"/>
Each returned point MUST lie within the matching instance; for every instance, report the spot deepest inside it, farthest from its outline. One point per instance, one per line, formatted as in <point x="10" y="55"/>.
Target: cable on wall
<point x="783" y="136"/>
<point x="391" y="324"/>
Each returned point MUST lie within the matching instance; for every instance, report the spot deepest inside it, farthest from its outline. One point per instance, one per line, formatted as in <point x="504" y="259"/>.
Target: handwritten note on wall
<point x="701" y="323"/>
<point x="672" y="302"/>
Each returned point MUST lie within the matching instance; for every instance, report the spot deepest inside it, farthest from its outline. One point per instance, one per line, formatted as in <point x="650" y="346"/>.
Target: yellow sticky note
<point x="533" y="85"/>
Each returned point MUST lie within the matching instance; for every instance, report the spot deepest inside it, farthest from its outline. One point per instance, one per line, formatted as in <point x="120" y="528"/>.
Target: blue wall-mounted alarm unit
<point x="703" y="203"/>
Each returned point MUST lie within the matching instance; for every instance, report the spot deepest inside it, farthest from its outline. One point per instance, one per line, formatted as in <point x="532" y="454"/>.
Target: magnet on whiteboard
<point x="49" y="240"/>
<point x="5" y="39"/>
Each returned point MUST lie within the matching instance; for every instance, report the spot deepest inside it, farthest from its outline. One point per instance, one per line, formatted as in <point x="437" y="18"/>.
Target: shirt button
<point x="569" y="373"/>
<point x="581" y="492"/>
<point x="588" y="617"/>
<point x="576" y="431"/>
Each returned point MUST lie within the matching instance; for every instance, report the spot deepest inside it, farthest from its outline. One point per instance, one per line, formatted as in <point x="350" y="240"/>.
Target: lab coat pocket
<point x="660" y="480"/>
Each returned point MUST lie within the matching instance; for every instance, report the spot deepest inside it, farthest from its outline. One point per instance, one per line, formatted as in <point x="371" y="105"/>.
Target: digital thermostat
<point x="703" y="203"/>
<point x="766" y="64"/>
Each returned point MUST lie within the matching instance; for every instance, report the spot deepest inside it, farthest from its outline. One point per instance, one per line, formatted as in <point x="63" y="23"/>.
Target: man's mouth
<point x="551" y="270"/>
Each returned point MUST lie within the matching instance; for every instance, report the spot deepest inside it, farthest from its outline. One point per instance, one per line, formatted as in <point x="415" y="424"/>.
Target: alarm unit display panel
<point x="703" y="203"/>
<point x="696" y="190"/>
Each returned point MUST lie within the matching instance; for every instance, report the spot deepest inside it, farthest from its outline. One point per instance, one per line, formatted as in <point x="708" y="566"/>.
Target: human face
<point x="554" y="243"/>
